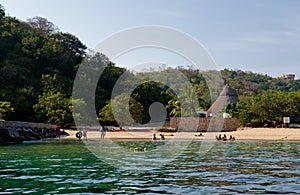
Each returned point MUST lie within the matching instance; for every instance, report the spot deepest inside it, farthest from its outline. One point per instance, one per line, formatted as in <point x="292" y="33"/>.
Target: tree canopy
<point x="267" y="108"/>
<point x="29" y="50"/>
<point x="38" y="64"/>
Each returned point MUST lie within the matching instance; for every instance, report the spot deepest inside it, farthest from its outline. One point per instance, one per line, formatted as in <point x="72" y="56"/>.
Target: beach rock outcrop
<point x="10" y="135"/>
<point x="20" y="134"/>
<point x="29" y="134"/>
<point x="1" y="141"/>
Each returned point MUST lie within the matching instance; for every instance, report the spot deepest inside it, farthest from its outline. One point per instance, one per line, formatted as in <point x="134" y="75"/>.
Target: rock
<point x="20" y="134"/>
<point x="10" y="135"/>
<point x="50" y="133"/>
<point x="29" y="134"/>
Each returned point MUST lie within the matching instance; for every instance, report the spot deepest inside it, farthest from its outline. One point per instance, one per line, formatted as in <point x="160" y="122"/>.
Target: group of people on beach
<point x="45" y="132"/>
<point x="84" y="133"/>
<point x="162" y="137"/>
<point x="224" y="138"/>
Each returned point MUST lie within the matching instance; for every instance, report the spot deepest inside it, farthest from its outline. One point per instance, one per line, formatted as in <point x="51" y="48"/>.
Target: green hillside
<point x="38" y="64"/>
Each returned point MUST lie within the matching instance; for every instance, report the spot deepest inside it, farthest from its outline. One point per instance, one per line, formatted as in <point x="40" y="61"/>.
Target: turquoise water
<point x="67" y="167"/>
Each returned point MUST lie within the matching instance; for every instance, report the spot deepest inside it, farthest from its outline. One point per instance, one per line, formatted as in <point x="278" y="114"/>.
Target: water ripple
<point x="229" y="168"/>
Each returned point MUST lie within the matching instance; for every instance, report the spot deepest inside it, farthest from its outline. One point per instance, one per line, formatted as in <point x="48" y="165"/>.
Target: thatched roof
<point x="227" y="96"/>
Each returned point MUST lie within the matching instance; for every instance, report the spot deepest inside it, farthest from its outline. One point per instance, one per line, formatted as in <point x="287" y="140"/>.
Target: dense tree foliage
<point x="148" y="93"/>
<point x="267" y="108"/>
<point x="263" y="100"/>
<point x="109" y="113"/>
<point x="249" y="83"/>
<point x="53" y="104"/>
<point x="42" y="25"/>
<point x="5" y="109"/>
<point x="109" y="76"/>
<point x="29" y="50"/>
<point x="272" y="98"/>
<point x="38" y="64"/>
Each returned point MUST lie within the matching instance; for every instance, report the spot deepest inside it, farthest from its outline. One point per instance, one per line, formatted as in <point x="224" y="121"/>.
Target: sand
<point x="262" y="134"/>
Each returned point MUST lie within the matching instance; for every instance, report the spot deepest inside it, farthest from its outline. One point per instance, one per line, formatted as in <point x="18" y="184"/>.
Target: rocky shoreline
<point x="17" y="132"/>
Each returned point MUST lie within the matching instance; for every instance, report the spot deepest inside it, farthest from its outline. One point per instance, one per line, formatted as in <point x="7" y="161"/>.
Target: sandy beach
<point x="263" y="134"/>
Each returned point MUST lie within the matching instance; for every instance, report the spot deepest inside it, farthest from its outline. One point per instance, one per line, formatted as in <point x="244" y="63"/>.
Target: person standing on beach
<point x="103" y="132"/>
<point x="44" y="132"/>
<point x="57" y="131"/>
<point x="85" y="134"/>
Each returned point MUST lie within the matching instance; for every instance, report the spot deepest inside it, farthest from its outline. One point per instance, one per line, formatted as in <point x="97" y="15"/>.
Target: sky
<point x="262" y="36"/>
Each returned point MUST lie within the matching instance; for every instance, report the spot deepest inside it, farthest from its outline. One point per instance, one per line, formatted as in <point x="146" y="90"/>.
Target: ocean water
<point x="68" y="167"/>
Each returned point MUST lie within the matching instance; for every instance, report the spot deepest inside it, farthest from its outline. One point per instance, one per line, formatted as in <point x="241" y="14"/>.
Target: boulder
<point x="29" y="134"/>
<point x="19" y="134"/>
<point x="10" y="135"/>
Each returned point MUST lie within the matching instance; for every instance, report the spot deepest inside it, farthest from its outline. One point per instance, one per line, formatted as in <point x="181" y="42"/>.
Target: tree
<point x="5" y="109"/>
<point x="29" y="50"/>
<point x="2" y="13"/>
<point x="53" y="105"/>
<point x="108" y="115"/>
<point x="42" y="25"/>
<point x="53" y="108"/>
<point x="189" y="103"/>
<point x="174" y="107"/>
<point x="107" y="81"/>
<point x="266" y="108"/>
<point x="150" y="92"/>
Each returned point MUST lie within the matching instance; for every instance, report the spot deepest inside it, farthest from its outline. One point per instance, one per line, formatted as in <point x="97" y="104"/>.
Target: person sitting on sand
<point x="162" y="137"/>
<point x="220" y="137"/>
<point x="224" y="137"/>
<point x="154" y="137"/>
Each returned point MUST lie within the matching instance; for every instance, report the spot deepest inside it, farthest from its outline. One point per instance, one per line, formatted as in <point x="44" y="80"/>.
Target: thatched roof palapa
<point x="227" y="96"/>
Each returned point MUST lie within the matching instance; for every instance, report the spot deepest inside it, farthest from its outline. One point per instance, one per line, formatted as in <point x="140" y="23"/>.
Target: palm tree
<point x="174" y="106"/>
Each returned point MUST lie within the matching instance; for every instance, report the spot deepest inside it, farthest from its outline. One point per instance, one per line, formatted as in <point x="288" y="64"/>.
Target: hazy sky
<point x="262" y="36"/>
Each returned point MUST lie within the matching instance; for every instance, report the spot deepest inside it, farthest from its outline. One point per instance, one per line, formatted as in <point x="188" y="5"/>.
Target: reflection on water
<point x="68" y="167"/>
